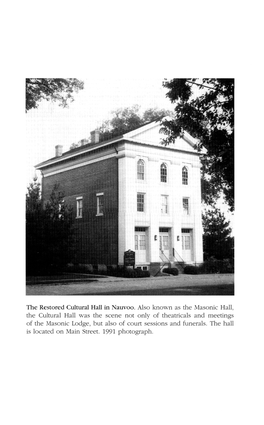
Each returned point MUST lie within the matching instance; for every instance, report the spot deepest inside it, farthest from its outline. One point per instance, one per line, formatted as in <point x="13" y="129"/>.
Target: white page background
<point x="206" y="375"/>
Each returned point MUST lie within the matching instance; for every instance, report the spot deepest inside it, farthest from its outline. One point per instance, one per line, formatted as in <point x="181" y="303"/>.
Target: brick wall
<point x="97" y="236"/>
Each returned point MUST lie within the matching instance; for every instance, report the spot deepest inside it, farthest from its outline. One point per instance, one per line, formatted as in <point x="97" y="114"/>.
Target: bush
<point x="127" y="272"/>
<point x="217" y="266"/>
<point x="191" y="269"/>
<point x="171" y="270"/>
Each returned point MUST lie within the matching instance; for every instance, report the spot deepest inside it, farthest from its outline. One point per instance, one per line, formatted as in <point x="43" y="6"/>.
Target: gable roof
<point x="147" y="134"/>
<point x="151" y="134"/>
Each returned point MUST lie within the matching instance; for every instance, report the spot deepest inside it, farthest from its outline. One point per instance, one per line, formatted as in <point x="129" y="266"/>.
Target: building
<point x="132" y="193"/>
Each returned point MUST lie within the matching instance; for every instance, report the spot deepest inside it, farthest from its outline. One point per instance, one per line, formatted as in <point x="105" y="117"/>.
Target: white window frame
<point x="141" y="169"/>
<point x="164" y="204"/>
<point x="165" y="176"/>
<point x="185" y="176"/>
<point x="141" y="203"/>
<point x="186" y="211"/>
<point x="79" y="207"/>
<point x="99" y="196"/>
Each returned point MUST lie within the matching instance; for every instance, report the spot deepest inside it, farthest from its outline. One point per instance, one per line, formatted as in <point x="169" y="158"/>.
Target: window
<point x="142" y="242"/>
<point x="100" y="203"/>
<point x="164" y="204"/>
<point x="141" y="170"/>
<point x="184" y="176"/>
<point x="140" y="202"/>
<point x="136" y="242"/>
<point x="185" y="205"/>
<point x="163" y="173"/>
<point x="79" y="207"/>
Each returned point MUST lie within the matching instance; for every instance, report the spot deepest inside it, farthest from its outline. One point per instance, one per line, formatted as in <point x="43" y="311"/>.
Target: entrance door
<point x="141" y="246"/>
<point x="187" y="245"/>
<point x="164" y="243"/>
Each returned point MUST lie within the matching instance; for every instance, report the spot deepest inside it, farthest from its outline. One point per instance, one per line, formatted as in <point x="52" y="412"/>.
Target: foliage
<point x="82" y="142"/>
<point x="189" y="269"/>
<point x="128" y="119"/>
<point x="127" y="272"/>
<point x="217" y="266"/>
<point x="171" y="270"/>
<point x="49" y="231"/>
<point x="217" y="240"/>
<point x="33" y="200"/>
<point x="51" y="89"/>
<point x="209" y="117"/>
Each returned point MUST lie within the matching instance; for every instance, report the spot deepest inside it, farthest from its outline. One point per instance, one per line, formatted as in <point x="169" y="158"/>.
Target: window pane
<point x="184" y="176"/>
<point x="166" y="242"/>
<point x="187" y="242"/>
<point x="140" y="202"/>
<point x="164" y="204"/>
<point x="136" y="242"/>
<point x="140" y="169"/>
<point x="185" y="204"/>
<point x="79" y="208"/>
<point x="142" y="242"/>
<point x="163" y="173"/>
<point x="100" y="204"/>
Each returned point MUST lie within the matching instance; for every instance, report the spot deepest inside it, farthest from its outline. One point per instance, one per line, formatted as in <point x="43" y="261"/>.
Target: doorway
<point x="187" y="245"/>
<point x="164" y="242"/>
<point x="140" y="245"/>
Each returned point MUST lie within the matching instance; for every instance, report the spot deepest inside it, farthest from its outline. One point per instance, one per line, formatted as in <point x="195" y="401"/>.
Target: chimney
<point x="58" y="150"/>
<point x="95" y="136"/>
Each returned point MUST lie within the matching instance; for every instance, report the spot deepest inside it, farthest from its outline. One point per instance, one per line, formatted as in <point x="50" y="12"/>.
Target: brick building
<point x="134" y="193"/>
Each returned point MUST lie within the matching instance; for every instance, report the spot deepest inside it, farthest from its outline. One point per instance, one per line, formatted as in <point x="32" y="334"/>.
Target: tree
<point x="124" y="120"/>
<point x="33" y="200"/>
<point x="217" y="240"/>
<point x="128" y="119"/>
<point x="51" y="89"/>
<point x="49" y="231"/>
<point x="208" y="115"/>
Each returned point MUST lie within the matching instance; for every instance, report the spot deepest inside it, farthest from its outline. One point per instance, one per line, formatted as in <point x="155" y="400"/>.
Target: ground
<point x="210" y="284"/>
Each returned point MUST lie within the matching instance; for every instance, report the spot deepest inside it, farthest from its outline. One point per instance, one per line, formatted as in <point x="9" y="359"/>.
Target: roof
<point x="142" y="135"/>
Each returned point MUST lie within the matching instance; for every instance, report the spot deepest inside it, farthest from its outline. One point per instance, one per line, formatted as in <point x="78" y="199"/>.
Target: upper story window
<point x="141" y="169"/>
<point x="100" y="203"/>
<point x="163" y="173"/>
<point x="140" y="202"/>
<point x="186" y="206"/>
<point x="79" y="207"/>
<point x="164" y="204"/>
<point x="185" y="175"/>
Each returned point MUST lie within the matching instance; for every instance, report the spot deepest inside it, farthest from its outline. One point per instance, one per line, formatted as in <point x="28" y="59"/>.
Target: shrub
<point x="171" y="270"/>
<point x="127" y="272"/>
<point x="191" y="269"/>
<point x="217" y="266"/>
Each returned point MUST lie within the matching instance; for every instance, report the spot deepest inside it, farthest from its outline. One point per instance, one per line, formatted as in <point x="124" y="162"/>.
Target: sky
<point x="50" y="124"/>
